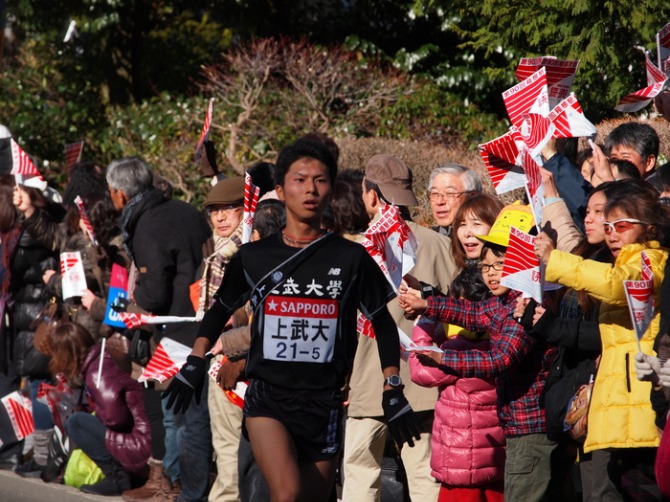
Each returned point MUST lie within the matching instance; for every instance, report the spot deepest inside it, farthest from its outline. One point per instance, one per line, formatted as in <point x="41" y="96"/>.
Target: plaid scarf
<point x="215" y="266"/>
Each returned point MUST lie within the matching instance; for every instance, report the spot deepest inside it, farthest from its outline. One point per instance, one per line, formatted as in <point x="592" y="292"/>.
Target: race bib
<point x="299" y="329"/>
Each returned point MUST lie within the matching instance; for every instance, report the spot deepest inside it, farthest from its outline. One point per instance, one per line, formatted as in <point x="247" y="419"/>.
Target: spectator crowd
<point x="295" y="381"/>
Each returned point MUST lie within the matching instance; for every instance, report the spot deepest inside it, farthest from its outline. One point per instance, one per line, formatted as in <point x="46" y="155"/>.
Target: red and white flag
<point x="521" y="268"/>
<point x="24" y="169"/>
<point x="391" y="243"/>
<point x="502" y="160"/>
<point x="166" y="362"/>
<point x="133" y="320"/>
<point x="19" y="414"/>
<point x="204" y="135"/>
<point x="529" y="96"/>
<point x="534" y="186"/>
<point x="535" y="131"/>
<point x="569" y="120"/>
<point x="73" y="153"/>
<point x="251" y="193"/>
<point x="656" y="80"/>
<point x="663" y="47"/>
<point x="640" y="296"/>
<point x="236" y="395"/>
<point x="560" y="74"/>
<point x="84" y="218"/>
<point x="72" y="274"/>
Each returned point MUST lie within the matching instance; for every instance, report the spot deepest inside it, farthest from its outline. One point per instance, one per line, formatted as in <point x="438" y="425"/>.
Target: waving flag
<point x="503" y="163"/>
<point x="569" y="120"/>
<point x="529" y="96"/>
<point x="391" y="243"/>
<point x="166" y="362"/>
<point x="663" y="47"/>
<point x="235" y="396"/>
<point x="640" y="296"/>
<point x="535" y="131"/>
<point x="84" y="218"/>
<point x="118" y="288"/>
<point x="560" y="74"/>
<point x="72" y="274"/>
<point x="656" y="80"/>
<point x="73" y="153"/>
<point x="204" y="135"/>
<point x="251" y="193"/>
<point x="133" y="320"/>
<point x="521" y="268"/>
<point x="534" y="186"/>
<point x="16" y="418"/>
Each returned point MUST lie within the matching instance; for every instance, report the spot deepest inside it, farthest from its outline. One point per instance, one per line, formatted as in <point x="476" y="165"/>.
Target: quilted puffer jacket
<point x="468" y="444"/>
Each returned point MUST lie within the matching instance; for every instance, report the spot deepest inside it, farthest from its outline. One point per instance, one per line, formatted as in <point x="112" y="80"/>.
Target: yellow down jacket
<point x="620" y="413"/>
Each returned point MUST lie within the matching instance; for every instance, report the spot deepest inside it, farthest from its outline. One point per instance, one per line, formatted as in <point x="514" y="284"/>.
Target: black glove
<point x="527" y="320"/>
<point x="400" y="417"/>
<point x="120" y="304"/>
<point x="189" y="380"/>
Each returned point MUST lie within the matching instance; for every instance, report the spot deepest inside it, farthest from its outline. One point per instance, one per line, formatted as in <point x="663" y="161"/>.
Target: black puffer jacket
<point x="164" y="237"/>
<point x="37" y="252"/>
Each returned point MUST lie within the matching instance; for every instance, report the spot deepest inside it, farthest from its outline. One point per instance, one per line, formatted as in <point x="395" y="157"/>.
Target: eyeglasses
<point x="622" y="225"/>
<point x="227" y="210"/>
<point x="484" y="268"/>
<point x="435" y="196"/>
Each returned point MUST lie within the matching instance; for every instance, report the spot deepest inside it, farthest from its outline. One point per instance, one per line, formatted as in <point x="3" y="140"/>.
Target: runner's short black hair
<point x="304" y="148"/>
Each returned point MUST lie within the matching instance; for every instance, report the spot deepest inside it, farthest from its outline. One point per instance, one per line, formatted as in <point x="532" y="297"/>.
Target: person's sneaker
<point x="30" y="469"/>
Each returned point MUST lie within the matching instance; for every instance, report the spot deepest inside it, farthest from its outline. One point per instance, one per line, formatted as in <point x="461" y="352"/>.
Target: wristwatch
<point x="393" y="381"/>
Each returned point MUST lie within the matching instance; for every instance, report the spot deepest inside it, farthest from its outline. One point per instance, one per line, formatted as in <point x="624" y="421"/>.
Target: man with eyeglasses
<point x="448" y="186"/>
<point x="164" y="238"/>
<point x="388" y="180"/>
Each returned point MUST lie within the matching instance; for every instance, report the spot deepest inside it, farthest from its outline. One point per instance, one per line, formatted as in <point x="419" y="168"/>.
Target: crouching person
<point x="117" y="437"/>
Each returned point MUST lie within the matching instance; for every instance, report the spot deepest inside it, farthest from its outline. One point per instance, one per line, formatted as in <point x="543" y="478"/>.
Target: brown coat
<point x="435" y="266"/>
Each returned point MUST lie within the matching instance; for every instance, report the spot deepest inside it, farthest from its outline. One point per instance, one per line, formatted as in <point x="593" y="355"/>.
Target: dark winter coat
<point x="119" y="404"/>
<point x="165" y="238"/>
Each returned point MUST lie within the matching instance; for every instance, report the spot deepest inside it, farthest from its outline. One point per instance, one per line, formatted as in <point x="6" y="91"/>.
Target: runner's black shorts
<point x="312" y="418"/>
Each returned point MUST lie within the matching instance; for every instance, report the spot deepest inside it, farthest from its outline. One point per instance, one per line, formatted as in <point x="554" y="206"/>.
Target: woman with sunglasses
<point x="620" y="416"/>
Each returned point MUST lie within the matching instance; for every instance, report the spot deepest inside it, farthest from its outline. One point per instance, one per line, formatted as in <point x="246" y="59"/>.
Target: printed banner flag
<point x="529" y="96"/>
<point x="72" y="274"/>
<point x="166" y="362"/>
<point x="534" y="186"/>
<point x="521" y="268"/>
<point x="502" y="160"/>
<point x="251" y="193"/>
<point x="118" y="288"/>
<point x="133" y="320"/>
<point x="235" y="396"/>
<point x="73" y="153"/>
<point x="535" y="131"/>
<point x="16" y="418"/>
<point x="204" y="135"/>
<point x="85" y="220"/>
<point x="663" y="47"/>
<point x="569" y="120"/>
<point x="22" y="163"/>
<point x="640" y="296"/>
<point x="656" y="80"/>
<point x="560" y="74"/>
<point x="392" y="244"/>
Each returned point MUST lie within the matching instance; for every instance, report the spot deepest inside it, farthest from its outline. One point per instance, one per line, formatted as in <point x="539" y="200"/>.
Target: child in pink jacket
<point x="468" y="444"/>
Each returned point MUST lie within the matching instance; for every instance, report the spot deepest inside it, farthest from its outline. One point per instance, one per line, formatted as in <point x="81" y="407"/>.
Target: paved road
<point x="14" y="488"/>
